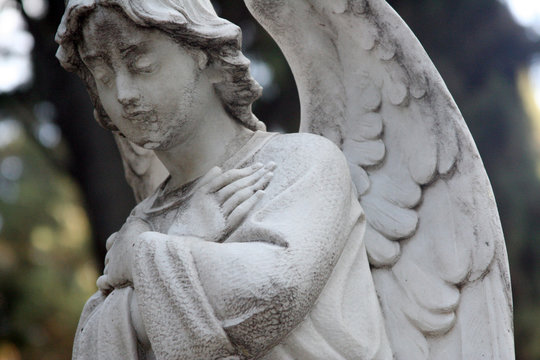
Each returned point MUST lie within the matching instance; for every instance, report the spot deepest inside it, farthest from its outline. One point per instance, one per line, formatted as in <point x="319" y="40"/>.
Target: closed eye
<point x="103" y="75"/>
<point x="144" y="64"/>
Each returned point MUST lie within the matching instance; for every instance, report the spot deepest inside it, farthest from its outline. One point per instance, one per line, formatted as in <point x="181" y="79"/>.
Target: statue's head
<point x="192" y="24"/>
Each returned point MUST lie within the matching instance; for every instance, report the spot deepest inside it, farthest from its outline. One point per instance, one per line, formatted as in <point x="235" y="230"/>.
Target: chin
<point x="161" y="143"/>
<point x="146" y="143"/>
<point x="151" y="145"/>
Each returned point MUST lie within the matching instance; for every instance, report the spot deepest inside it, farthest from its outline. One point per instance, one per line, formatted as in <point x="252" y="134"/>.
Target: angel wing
<point x="433" y="238"/>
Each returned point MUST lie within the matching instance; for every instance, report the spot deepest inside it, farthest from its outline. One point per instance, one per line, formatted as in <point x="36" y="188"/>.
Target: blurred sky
<point x="527" y="13"/>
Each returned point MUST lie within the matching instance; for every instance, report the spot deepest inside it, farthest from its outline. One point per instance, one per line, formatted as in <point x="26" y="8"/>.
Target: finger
<point x="110" y="241"/>
<point x="136" y="226"/>
<point x="227" y="191"/>
<point x="244" y="194"/>
<point x="230" y="176"/>
<point x="242" y="210"/>
<point x="103" y="283"/>
<point x="210" y="175"/>
<point x="149" y="236"/>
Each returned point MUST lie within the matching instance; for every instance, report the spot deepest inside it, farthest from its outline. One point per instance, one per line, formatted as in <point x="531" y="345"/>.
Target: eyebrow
<point x="92" y="57"/>
<point x="129" y="49"/>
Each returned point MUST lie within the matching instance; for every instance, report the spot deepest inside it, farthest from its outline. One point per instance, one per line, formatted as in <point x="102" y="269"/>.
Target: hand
<point x="119" y="259"/>
<point x="222" y="201"/>
<point x="219" y="204"/>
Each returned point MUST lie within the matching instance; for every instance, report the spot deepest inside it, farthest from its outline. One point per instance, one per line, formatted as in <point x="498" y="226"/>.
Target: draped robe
<point x="291" y="282"/>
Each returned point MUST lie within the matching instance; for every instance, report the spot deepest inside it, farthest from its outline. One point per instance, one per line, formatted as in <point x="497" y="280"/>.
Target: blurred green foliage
<point x="51" y="250"/>
<point x="46" y="269"/>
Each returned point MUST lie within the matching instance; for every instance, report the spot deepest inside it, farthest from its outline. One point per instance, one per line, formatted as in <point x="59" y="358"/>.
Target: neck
<point x="215" y="139"/>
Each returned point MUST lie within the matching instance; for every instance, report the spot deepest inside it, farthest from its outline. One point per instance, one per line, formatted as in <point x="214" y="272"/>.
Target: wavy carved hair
<point x="191" y="23"/>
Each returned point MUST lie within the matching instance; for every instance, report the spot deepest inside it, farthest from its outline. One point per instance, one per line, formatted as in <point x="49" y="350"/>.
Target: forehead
<point x="108" y="27"/>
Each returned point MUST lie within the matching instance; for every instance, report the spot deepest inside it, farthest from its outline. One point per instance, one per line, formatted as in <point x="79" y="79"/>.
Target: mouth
<point x="140" y="116"/>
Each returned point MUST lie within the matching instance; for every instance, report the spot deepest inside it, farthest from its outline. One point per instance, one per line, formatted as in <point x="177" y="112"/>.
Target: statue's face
<point x="150" y="87"/>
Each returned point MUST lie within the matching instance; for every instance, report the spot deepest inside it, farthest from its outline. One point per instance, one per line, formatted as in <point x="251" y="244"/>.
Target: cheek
<point x="163" y="95"/>
<point x="177" y="78"/>
<point x="113" y="109"/>
<point x="108" y="101"/>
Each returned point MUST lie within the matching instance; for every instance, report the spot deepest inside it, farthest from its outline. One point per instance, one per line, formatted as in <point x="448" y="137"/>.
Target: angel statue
<point x="371" y="234"/>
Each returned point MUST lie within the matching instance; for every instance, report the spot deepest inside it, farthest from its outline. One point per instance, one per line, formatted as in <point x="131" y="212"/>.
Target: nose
<point x="126" y="93"/>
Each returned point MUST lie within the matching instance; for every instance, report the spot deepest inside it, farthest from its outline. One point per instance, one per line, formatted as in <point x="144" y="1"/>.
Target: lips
<point x="139" y="115"/>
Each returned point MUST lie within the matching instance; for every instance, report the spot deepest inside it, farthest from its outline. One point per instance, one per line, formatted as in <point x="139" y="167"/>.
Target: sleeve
<point x="105" y="328"/>
<point x="203" y="300"/>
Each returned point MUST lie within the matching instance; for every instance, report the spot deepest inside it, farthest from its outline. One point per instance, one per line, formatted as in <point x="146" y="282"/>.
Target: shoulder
<point x="301" y="153"/>
<point x="307" y="147"/>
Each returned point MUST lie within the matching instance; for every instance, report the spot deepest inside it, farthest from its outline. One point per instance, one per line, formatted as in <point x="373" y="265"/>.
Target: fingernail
<point x="257" y="165"/>
<point x="270" y="166"/>
<point x="269" y="175"/>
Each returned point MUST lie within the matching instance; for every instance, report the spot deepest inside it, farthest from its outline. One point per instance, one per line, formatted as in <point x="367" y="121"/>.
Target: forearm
<point x="231" y="299"/>
<point x="260" y="292"/>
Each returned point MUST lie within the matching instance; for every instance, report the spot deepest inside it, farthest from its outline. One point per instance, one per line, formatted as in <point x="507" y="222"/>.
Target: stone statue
<point x="374" y="237"/>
